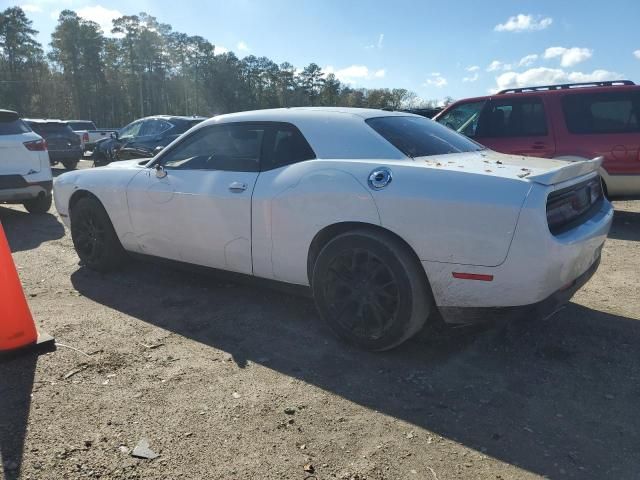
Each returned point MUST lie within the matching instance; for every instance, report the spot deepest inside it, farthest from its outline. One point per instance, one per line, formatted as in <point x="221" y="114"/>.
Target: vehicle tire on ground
<point x="371" y="290"/>
<point x="70" y="164"/>
<point x="40" y="204"/>
<point x="93" y="236"/>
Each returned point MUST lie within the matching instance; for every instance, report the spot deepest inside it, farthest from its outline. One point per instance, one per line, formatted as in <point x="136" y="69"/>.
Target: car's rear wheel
<point x="70" y="164"/>
<point x="40" y="204"/>
<point x="94" y="238"/>
<point x="370" y="289"/>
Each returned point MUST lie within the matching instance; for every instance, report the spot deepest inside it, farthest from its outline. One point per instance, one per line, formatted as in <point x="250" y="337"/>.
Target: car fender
<point x="292" y="204"/>
<point x="108" y="185"/>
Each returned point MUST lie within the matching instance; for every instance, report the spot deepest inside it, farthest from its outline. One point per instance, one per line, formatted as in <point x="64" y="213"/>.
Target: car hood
<point x="487" y="162"/>
<point x="136" y="163"/>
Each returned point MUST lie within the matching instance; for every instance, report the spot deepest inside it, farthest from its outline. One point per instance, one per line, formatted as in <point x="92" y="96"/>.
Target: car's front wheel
<point x="94" y="238"/>
<point x="40" y="204"/>
<point x="370" y="289"/>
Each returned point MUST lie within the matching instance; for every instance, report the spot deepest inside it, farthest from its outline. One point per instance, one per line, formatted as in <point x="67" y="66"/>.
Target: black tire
<point x="370" y="290"/>
<point x="93" y="236"/>
<point x="40" y="204"/>
<point x="70" y="164"/>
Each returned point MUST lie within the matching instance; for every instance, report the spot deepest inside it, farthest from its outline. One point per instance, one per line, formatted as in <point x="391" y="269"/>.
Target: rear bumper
<point x="64" y="155"/>
<point x="539" y="310"/>
<point x="16" y="189"/>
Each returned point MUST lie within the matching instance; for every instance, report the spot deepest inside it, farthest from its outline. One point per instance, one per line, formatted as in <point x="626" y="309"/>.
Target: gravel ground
<point x="232" y="380"/>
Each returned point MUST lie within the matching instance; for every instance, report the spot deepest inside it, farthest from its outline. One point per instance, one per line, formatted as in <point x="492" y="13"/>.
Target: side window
<point x="463" y="118"/>
<point x="615" y="112"/>
<point x="289" y="146"/>
<point x="235" y="147"/>
<point x="514" y="118"/>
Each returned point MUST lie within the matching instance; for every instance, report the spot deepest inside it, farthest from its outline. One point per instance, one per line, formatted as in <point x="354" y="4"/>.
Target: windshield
<point x="420" y="137"/>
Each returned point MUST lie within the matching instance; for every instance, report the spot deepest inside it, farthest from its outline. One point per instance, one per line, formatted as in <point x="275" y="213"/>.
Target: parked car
<point x="573" y="121"/>
<point x="387" y="216"/>
<point x="63" y="144"/>
<point x="88" y="133"/>
<point x="142" y="138"/>
<point x="25" y="173"/>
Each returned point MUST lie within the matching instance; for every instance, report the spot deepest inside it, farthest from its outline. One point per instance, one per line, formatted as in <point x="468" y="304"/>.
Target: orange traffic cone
<point x="17" y="330"/>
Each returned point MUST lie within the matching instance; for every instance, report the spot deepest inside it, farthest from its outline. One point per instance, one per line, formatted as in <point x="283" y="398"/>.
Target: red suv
<point x="573" y="121"/>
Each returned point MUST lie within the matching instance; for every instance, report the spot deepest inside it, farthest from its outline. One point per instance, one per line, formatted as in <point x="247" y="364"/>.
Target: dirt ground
<point x="231" y="380"/>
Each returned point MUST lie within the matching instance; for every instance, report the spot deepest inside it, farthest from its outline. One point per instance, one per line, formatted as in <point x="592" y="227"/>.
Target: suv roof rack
<point x="565" y="86"/>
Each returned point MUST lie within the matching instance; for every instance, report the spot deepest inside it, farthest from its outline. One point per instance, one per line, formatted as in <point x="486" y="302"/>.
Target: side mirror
<point x="160" y="171"/>
<point x="158" y="149"/>
<point x="115" y="135"/>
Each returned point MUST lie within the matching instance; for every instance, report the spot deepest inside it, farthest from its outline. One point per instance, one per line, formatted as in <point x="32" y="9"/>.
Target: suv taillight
<point x="85" y="137"/>
<point x="36" y="145"/>
<point x="570" y="206"/>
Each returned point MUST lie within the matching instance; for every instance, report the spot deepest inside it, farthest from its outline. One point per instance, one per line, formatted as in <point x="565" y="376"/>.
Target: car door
<point x="518" y="126"/>
<point x="193" y="204"/>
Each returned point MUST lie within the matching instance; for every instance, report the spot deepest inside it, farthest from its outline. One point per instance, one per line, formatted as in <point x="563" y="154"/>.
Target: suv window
<point x="12" y="126"/>
<point x="51" y="128"/>
<point x="82" y="125"/>
<point x="513" y="118"/>
<point x="234" y="147"/>
<point x="609" y="112"/>
<point x="463" y="118"/>
<point x="420" y="137"/>
<point x="289" y="146"/>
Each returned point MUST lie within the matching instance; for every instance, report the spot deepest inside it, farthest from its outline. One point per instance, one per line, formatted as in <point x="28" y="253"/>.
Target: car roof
<point x="43" y="120"/>
<point x="552" y="90"/>
<point x="171" y="117"/>
<point x="296" y="113"/>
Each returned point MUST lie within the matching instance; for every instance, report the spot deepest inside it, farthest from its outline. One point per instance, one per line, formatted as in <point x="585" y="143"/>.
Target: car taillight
<point x="569" y="206"/>
<point x="36" y="145"/>
<point x="85" y="137"/>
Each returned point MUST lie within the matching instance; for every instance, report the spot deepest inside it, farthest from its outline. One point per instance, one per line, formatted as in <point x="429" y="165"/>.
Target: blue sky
<point x="434" y="48"/>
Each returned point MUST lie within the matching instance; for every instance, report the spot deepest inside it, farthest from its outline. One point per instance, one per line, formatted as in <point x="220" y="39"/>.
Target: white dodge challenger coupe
<point x="388" y="217"/>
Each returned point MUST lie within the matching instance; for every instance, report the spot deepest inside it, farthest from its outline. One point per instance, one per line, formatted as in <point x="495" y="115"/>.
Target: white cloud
<point x="551" y="76"/>
<point x="473" y="68"/>
<point x="436" y="80"/>
<point x="30" y="8"/>
<point x="498" y="65"/>
<point x="380" y="40"/>
<point x="637" y="54"/>
<point x="568" y="56"/>
<point x="471" y="78"/>
<point x="528" y="60"/>
<point x="354" y="73"/>
<point x="243" y="47"/>
<point x="101" y="15"/>
<point x="219" y="50"/>
<point x="524" y="23"/>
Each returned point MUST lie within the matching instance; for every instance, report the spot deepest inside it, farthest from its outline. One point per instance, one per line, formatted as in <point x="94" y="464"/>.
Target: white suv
<point x="25" y="172"/>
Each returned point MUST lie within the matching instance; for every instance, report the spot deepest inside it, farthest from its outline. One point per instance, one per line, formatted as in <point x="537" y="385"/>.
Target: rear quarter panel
<point x="453" y="217"/>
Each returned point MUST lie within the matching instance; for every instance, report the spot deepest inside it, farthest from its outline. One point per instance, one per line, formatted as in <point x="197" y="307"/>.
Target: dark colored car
<point x="63" y="143"/>
<point x="142" y="138"/>
<point x="572" y="122"/>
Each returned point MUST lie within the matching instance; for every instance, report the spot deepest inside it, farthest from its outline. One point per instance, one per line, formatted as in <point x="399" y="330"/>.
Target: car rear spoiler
<point x="571" y="170"/>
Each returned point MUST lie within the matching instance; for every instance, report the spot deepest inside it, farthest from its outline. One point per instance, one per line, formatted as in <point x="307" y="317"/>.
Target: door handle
<point x="237" y="187"/>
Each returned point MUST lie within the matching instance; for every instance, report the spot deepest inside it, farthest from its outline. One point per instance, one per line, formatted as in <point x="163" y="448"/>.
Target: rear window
<point x="13" y="127"/>
<point x="609" y="112"/>
<point x="82" y="125"/>
<point x="420" y="137"/>
<point x="51" y="128"/>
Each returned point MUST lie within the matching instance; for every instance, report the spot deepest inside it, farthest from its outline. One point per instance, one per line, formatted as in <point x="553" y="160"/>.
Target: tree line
<point x="145" y="68"/>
